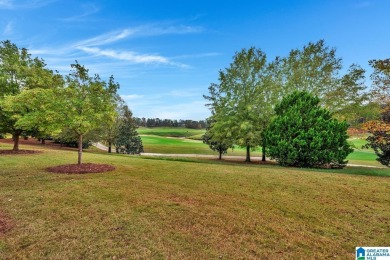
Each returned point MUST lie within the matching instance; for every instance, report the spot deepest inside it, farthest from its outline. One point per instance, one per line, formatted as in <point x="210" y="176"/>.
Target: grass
<point x="182" y="209"/>
<point x="172" y="132"/>
<point x="174" y="140"/>
<point x="172" y="145"/>
<point x="357" y="143"/>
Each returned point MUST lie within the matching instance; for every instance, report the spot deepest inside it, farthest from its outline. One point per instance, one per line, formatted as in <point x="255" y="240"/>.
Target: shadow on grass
<point x="367" y="171"/>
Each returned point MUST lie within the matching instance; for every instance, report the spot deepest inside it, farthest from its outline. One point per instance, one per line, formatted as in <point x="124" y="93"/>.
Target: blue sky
<point x="166" y="53"/>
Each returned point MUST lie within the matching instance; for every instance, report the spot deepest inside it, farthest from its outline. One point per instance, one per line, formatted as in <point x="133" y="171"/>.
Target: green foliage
<point x="127" y="139"/>
<point x="240" y="103"/>
<point x="69" y="138"/>
<point x="20" y="76"/>
<point x="380" y="142"/>
<point x="85" y="103"/>
<point x="316" y="69"/>
<point x="221" y="146"/>
<point x="305" y="135"/>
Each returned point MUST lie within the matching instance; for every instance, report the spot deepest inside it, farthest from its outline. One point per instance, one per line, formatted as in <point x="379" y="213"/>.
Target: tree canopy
<point x="243" y="102"/>
<point x="239" y="102"/>
<point x="379" y="140"/>
<point x="21" y="77"/>
<point x="85" y="102"/>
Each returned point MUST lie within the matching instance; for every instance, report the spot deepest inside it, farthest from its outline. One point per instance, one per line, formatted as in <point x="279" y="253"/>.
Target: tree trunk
<point x="220" y="155"/>
<point x="15" y="138"/>
<point x="109" y="147"/>
<point x="263" y="151"/>
<point x="80" y="149"/>
<point x="43" y="141"/>
<point x="248" y="154"/>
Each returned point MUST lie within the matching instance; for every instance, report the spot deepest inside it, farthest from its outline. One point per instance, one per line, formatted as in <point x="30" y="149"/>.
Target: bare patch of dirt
<point x="81" y="168"/>
<point x="12" y="152"/>
<point x="6" y="223"/>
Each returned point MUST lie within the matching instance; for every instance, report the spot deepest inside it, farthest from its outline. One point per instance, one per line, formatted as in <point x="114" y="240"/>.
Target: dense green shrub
<point x="305" y="135"/>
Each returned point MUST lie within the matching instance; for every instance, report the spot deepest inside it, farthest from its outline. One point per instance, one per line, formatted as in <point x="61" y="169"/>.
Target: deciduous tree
<point x="85" y="103"/>
<point x="25" y="76"/>
<point x="239" y="100"/>
<point x="379" y="139"/>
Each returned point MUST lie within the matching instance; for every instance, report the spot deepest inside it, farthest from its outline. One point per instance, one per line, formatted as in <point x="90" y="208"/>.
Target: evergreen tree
<point x="305" y="135"/>
<point x="127" y="139"/>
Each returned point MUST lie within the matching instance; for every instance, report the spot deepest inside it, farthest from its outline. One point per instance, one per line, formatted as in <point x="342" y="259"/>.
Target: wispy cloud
<point x="106" y="38"/>
<point x="131" y="97"/>
<point x="126" y="55"/>
<point x="138" y="31"/>
<point x="152" y="30"/>
<point x="24" y="4"/>
<point x="92" y="48"/>
<point x="8" y="28"/>
<point x="89" y="9"/>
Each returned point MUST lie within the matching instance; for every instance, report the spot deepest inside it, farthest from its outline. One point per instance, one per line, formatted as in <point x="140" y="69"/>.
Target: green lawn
<point x="357" y="143"/>
<point x="172" y="132"/>
<point x="172" y="145"/>
<point x="194" y="210"/>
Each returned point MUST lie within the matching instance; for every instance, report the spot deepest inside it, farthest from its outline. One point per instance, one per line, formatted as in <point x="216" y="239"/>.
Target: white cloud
<point x="126" y="55"/>
<point x="106" y="38"/>
<point x="138" y="31"/>
<point x="152" y="30"/>
<point x="24" y="4"/>
<point x="8" y="28"/>
<point x="89" y="9"/>
<point x="131" y="97"/>
<point x="90" y="49"/>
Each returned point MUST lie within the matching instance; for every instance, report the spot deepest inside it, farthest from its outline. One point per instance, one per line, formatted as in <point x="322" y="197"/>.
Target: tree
<point x="127" y="140"/>
<point x="19" y="73"/>
<point x="110" y="129"/>
<point x="85" y="103"/>
<point x="237" y="103"/>
<point x="221" y="146"/>
<point x="316" y="69"/>
<point x="379" y="139"/>
<point x="305" y="135"/>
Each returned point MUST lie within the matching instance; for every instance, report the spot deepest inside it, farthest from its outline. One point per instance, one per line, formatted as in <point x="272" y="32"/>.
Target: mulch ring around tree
<point x="81" y="168"/>
<point x="20" y="152"/>
<point x="6" y="223"/>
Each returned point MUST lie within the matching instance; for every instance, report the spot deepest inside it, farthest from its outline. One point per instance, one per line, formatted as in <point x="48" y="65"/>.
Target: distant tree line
<point x="157" y="122"/>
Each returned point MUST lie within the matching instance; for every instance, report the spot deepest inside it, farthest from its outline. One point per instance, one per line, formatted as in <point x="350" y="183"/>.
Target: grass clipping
<point x="81" y="168"/>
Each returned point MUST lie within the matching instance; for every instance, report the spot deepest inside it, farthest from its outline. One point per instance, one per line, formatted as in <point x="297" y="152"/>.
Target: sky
<point x="165" y="54"/>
